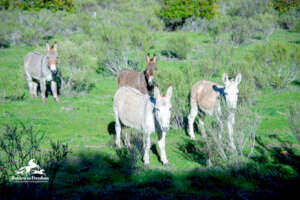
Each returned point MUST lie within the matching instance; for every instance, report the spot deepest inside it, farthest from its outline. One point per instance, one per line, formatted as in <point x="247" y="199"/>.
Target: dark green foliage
<point x="53" y="5"/>
<point x="178" y="46"/>
<point x="283" y="6"/>
<point x="175" y="12"/>
<point x="18" y="145"/>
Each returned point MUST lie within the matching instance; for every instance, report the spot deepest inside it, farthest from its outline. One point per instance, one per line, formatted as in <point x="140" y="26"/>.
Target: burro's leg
<point x="43" y="90"/>
<point x="30" y="87"/>
<point x="54" y="90"/>
<point x="191" y="118"/>
<point x="230" y="125"/>
<point x="118" y="131"/>
<point x="202" y="129"/>
<point x="218" y="116"/>
<point x="147" y="145"/>
<point x="162" y="147"/>
<point x="34" y="89"/>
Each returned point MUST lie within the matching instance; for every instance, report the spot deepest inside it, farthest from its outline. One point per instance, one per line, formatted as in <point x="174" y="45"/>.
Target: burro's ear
<point x="47" y="46"/>
<point x="225" y="77"/>
<point x="169" y="92"/>
<point x="154" y="58"/>
<point x="148" y="57"/>
<point x="238" y="78"/>
<point x="156" y="93"/>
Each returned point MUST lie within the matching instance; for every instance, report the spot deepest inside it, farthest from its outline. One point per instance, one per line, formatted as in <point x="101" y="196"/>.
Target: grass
<point x="85" y="122"/>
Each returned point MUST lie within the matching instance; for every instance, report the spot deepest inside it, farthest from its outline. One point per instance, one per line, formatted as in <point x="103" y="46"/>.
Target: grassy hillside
<point x="84" y="119"/>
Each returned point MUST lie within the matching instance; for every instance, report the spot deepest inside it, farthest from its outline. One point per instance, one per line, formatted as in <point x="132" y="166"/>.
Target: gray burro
<point x="136" y="110"/>
<point x="42" y="68"/>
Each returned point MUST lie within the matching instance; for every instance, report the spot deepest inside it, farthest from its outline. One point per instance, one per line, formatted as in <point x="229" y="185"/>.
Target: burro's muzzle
<point x="53" y="68"/>
<point x="151" y="80"/>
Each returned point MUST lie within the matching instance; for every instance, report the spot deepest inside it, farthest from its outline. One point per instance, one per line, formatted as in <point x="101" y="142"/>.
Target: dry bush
<point x="245" y="127"/>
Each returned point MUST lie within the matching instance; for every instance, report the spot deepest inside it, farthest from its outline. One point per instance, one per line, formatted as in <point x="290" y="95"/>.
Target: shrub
<point x="274" y="65"/>
<point x="245" y="127"/>
<point x="19" y="145"/>
<point x="240" y="30"/>
<point x="175" y="12"/>
<point x="247" y="87"/>
<point x="38" y="4"/>
<point x="290" y="19"/>
<point x="294" y="119"/>
<point x="180" y="99"/>
<point x="283" y="6"/>
<point x="178" y="46"/>
<point x="248" y="8"/>
<point x="75" y="72"/>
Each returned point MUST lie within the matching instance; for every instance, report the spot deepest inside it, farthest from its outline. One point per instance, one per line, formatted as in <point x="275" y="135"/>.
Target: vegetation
<point x="175" y="12"/>
<point x="38" y="4"/>
<point x="97" y="40"/>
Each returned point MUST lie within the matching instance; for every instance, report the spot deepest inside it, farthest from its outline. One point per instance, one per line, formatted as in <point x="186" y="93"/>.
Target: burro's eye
<point x="170" y="109"/>
<point x="156" y="109"/>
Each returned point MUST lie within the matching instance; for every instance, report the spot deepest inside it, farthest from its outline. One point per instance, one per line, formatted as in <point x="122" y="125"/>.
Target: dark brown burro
<point x="140" y="80"/>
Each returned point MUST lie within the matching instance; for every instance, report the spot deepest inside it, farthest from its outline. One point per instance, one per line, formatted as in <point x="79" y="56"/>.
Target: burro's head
<point x="52" y="57"/>
<point x="162" y="108"/>
<point x="151" y="68"/>
<point x="231" y="90"/>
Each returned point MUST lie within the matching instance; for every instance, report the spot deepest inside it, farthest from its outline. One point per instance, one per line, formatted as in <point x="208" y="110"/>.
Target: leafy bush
<point x="247" y="8"/>
<point x="175" y="12"/>
<point x="75" y="71"/>
<point x="247" y="86"/>
<point x="240" y="30"/>
<point x="258" y="27"/>
<point x="290" y="19"/>
<point x="180" y="99"/>
<point x="294" y="119"/>
<point x="178" y="46"/>
<point x="38" y="4"/>
<point x="19" y="145"/>
<point x="283" y="6"/>
<point x="274" y="65"/>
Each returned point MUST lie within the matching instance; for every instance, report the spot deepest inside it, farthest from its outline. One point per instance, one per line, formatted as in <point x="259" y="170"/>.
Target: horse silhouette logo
<point x="31" y="169"/>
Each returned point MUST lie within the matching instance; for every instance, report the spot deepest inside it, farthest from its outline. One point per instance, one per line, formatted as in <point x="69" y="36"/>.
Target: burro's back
<point x="131" y="106"/>
<point x="136" y="110"/>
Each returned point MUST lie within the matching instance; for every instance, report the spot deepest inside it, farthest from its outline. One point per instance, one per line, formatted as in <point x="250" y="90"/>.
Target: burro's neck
<point x="150" y="116"/>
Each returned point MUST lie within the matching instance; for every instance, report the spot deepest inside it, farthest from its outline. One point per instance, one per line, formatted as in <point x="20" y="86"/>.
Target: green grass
<point x="85" y="123"/>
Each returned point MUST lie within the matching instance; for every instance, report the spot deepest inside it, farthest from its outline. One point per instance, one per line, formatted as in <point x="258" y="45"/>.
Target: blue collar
<point x="153" y="100"/>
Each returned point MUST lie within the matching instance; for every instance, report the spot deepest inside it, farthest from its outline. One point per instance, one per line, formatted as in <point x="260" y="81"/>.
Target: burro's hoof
<point x="57" y="100"/>
<point x="147" y="166"/>
<point x="166" y="164"/>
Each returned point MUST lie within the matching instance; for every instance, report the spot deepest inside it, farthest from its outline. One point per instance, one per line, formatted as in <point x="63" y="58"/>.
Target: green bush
<point x="247" y="87"/>
<point x="283" y="6"/>
<point x="248" y="8"/>
<point x="175" y="12"/>
<point x="257" y="27"/>
<point x="273" y="65"/>
<point x="294" y="119"/>
<point x="178" y="46"/>
<point x="19" y="144"/>
<point x="53" y="5"/>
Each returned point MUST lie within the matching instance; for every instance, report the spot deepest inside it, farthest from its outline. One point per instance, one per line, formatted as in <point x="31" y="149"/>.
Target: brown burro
<point x="140" y="80"/>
